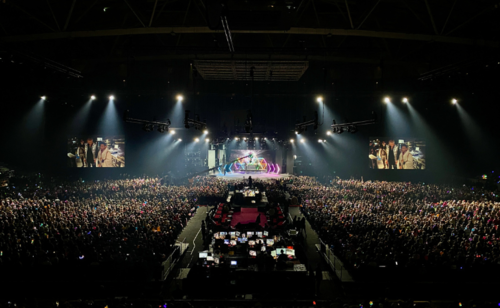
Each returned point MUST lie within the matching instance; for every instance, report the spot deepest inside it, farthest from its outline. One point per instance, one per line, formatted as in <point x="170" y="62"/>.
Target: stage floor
<point x="261" y="176"/>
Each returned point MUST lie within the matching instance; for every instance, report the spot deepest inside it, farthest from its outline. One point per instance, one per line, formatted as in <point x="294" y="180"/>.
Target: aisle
<point x="192" y="235"/>
<point x="331" y="287"/>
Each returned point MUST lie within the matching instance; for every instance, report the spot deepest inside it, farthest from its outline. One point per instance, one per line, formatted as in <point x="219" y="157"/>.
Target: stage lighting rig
<point x="352" y="127"/>
<point x="301" y="127"/>
<point x="148" y="126"/>
<point x="249" y="123"/>
<point x="198" y="125"/>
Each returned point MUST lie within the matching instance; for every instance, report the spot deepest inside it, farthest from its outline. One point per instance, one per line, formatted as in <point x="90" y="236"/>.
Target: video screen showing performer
<point x="396" y="154"/>
<point x="96" y="152"/>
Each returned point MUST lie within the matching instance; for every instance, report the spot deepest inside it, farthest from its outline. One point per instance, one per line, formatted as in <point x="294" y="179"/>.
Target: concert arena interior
<point x="241" y="154"/>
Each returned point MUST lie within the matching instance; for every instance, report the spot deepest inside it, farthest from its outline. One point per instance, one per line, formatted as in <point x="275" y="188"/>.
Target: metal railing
<point x="169" y="264"/>
<point x="334" y="262"/>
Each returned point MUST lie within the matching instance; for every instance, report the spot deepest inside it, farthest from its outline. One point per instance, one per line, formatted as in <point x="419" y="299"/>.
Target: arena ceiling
<point x="421" y="36"/>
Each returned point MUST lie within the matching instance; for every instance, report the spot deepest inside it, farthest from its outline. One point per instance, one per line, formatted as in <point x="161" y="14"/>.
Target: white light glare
<point x="256" y="138"/>
<point x="207" y="140"/>
<point x="236" y="138"/>
<point x="454" y="101"/>
<point x="92" y="97"/>
<point x="387" y="100"/>
<point x="328" y="133"/>
<point x="179" y="139"/>
<point x="43" y="97"/>
<point x="319" y="99"/>
<point x="205" y="131"/>
<point x="319" y="140"/>
<point x="172" y="132"/>
<point x="196" y="139"/>
<point x="302" y="140"/>
<point x="291" y="140"/>
<point x="405" y="100"/>
<point x="296" y="132"/>
<point x="180" y="98"/>
<point x="111" y="97"/>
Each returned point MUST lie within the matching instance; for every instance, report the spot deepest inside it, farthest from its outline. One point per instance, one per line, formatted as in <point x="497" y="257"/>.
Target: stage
<point x="260" y="176"/>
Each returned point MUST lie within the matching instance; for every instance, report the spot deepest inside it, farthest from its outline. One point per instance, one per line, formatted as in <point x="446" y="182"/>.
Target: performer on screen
<point x="104" y="158"/>
<point x="405" y="158"/>
<point x="392" y="155"/>
<point x="90" y="153"/>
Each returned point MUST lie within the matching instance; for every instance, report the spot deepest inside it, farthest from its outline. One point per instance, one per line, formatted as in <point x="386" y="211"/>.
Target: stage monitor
<point x="263" y="248"/>
<point x="290" y="252"/>
<point x="258" y="233"/>
<point x="391" y="153"/>
<point x="250" y="233"/>
<point x="252" y="253"/>
<point x="101" y="151"/>
<point x="270" y="242"/>
<point x="266" y="233"/>
<point x="233" y="243"/>
<point x="238" y="233"/>
<point x="210" y="258"/>
<point x="223" y="234"/>
<point x="251" y="243"/>
<point x="226" y="242"/>
<point x="273" y="253"/>
<point x="202" y="255"/>
<point x="233" y="234"/>
<point x="292" y="232"/>
<point x="234" y="263"/>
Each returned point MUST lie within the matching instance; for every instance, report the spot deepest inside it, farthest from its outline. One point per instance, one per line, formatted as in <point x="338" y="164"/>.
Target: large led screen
<point x="396" y="153"/>
<point x="96" y="152"/>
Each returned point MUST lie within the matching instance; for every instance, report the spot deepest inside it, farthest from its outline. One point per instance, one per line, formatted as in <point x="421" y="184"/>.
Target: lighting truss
<point x="352" y="127"/>
<point x="148" y="126"/>
<point x="198" y="125"/>
<point x="300" y="127"/>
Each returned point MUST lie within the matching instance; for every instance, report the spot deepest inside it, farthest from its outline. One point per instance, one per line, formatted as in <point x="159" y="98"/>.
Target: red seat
<point x="217" y="216"/>
<point x="280" y="223"/>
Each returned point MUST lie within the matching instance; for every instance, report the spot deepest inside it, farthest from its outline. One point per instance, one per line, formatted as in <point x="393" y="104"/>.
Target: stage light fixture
<point x="43" y="97"/>
<point x="296" y="132"/>
<point x="236" y="138"/>
<point x="328" y="132"/>
<point x="172" y="132"/>
<point x="387" y="100"/>
<point x="244" y="138"/>
<point x="291" y="140"/>
<point x="324" y="140"/>
<point x="207" y="140"/>
<point x="148" y="127"/>
<point x="111" y="97"/>
<point x="180" y="98"/>
<point x="320" y="141"/>
<point x="454" y="101"/>
<point x="162" y="128"/>
<point x="256" y="138"/>
<point x="205" y="131"/>
<point x="196" y="139"/>
<point x="405" y="100"/>
<point x="179" y="139"/>
<point x="319" y="99"/>
<point x="265" y="138"/>
<point x="302" y="140"/>
<point x="92" y="97"/>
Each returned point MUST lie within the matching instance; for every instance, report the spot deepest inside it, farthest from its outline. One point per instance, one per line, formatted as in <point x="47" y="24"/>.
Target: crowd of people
<point x="369" y="224"/>
<point x="105" y="225"/>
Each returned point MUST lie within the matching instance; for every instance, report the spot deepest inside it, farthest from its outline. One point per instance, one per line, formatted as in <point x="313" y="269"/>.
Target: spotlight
<point x="179" y="139"/>
<point x="319" y="99"/>
<point x="179" y="98"/>
<point x="387" y="100"/>
<point x="302" y="140"/>
<point x="328" y="132"/>
<point x="92" y="97"/>
<point x="296" y="132"/>
<point x="111" y="97"/>
<point x="236" y="138"/>
<point x="205" y="131"/>
<point x="196" y="139"/>
<point x="172" y="132"/>
<point x="256" y="138"/>
<point x="405" y="100"/>
<point x="291" y="140"/>
<point x="324" y="140"/>
<point x="320" y="141"/>
<point x="162" y="128"/>
<point x="454" y="101"/>
<point x="265" y="138"/>
<point x="244" y="138"/>
<point x="207" y="140"/>
<point x="43" y="97"/>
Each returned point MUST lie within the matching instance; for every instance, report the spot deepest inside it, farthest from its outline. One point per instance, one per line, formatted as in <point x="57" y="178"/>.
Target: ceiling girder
<point x="294" y="31"/>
